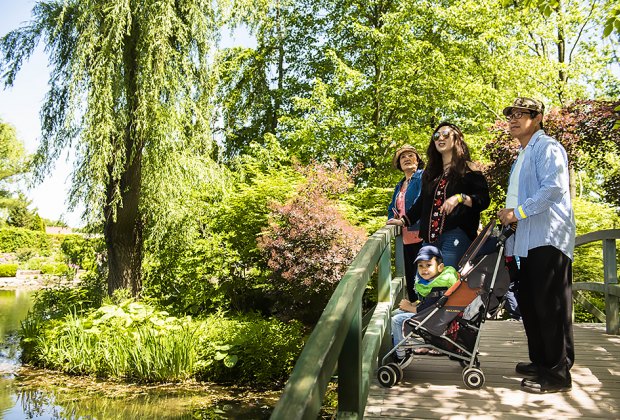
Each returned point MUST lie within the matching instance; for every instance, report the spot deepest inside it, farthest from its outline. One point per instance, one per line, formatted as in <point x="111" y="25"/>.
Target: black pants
<point x="411" y="269"/>
<point x="546" y="302"/>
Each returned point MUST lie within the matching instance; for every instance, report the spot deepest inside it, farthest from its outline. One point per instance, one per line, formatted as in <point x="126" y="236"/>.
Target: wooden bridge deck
<point x="432" y="386"/>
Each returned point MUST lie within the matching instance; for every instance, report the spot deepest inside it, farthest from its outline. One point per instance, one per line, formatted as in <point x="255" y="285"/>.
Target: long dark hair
<point x="460" y="157"/>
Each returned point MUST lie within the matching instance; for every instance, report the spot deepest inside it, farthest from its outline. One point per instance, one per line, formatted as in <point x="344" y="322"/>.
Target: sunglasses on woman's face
<point x="441" y="134"/>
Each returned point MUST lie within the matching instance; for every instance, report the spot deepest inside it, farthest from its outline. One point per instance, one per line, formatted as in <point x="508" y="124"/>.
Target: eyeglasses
<point x="441" y="134"/>
<point x="517" y="115"/>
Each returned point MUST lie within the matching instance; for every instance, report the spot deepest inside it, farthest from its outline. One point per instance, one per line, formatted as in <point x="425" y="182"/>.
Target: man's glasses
<point x="516" y="115"/>
<point x="441" y="134"/>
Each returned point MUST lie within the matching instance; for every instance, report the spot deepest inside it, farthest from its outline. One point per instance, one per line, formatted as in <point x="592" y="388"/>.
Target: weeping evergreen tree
<point x="129" y="96"/>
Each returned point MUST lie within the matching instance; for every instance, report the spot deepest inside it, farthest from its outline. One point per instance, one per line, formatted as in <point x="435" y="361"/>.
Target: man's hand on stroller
<point x="408" y="306"/>
<point x="506" y="216"/>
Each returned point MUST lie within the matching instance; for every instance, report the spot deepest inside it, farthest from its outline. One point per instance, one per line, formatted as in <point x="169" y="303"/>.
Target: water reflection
<point x="14" y="306"/>
<point x="38" y="394"/>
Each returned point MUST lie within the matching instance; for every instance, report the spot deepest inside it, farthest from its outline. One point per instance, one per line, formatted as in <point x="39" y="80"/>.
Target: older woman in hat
<point x="407" y="191"/>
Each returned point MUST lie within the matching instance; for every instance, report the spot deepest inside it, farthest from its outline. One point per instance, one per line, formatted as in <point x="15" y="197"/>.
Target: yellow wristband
<point x="521" y="212"/>
<point x="459" y="197"/>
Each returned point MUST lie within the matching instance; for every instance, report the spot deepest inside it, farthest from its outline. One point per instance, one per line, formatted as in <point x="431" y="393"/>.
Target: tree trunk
<point x="561" y="46"/>
<point x="572" y="180"/>
<point x="123" y="222"/>
<point x="279" y="92"/>
<point x="123" y="233"/>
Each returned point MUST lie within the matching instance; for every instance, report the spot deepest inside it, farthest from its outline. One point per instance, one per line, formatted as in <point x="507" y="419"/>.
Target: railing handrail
<point x="303" y="394"/>
<point x="598" y="235"/>
<point x="609" y="287"/>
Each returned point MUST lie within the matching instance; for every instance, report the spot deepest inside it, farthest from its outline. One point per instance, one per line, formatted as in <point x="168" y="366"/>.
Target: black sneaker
<point x="543" y="385"/>
<point x="529" y="369"/>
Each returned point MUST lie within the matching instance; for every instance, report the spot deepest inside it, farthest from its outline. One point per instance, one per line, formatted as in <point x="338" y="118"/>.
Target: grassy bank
<point x="133" y="341"/>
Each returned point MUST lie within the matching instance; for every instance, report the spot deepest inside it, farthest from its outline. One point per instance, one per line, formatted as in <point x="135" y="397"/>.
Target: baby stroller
<point x="453" y="325"/>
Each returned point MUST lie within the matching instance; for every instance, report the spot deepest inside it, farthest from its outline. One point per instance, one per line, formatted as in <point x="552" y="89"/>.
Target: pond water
<point x="39" y="394"/>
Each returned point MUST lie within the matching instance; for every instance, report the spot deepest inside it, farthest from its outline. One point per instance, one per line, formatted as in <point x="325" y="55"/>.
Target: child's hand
<point x="407" y="306"/>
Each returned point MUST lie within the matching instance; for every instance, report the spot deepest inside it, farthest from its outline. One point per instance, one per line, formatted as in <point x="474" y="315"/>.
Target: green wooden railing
<point x="337" y="340"/>
<point x="609" y="287"/>
<point x="337" y="337"/>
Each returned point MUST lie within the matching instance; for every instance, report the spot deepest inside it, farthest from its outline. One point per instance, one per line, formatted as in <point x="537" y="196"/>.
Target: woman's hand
<point x="397" y="222"/>
<point x="450" y="204"/>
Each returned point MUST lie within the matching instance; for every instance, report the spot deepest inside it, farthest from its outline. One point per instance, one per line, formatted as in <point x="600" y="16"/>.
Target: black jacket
<point x="467" y="218"/>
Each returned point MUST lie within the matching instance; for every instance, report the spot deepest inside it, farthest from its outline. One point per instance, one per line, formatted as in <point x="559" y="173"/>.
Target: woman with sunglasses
<point x="407" y="191"/>
<point x="454" y="192"/>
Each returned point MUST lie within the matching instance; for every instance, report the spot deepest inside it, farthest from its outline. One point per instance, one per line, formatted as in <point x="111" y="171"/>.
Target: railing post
<point x="612" y="304"/>
<point x="399" y="256"/>
<point x="384" y="287"/>
<point x="350" y="405"/>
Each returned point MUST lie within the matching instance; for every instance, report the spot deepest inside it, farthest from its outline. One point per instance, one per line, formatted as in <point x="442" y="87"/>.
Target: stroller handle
<point x="507" y="232"/>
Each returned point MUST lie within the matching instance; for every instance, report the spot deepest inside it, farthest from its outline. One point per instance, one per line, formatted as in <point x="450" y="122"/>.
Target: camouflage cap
<point x="527" y="104"/>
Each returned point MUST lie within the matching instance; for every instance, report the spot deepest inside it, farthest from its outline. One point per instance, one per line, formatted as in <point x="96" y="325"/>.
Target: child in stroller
<point x="432" y="281"/>
<point x="452" y="326"/>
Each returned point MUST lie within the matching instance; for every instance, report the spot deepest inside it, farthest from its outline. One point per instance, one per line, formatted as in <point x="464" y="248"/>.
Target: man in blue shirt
<point x="538" y="200"/>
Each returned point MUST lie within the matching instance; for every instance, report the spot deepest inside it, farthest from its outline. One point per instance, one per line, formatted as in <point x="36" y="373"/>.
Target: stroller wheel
<point x="473" y="378"/>
<point x="399" y="372"/>
<point x="387" y="376"/>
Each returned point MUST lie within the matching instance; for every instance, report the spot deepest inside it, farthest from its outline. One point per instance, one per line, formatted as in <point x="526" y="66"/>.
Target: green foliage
<point x="194" y="278"/>
<point x="13" y="163"/>
<point x="13" y="239"/>
<point x="82" y="251"/>
<point x="265" y="178"/>
<point x="309" y="244"/>
<point x="8" y="270"/>
<point x="57" y="269"/>
<point x="130" y="341"/>
<point x="367" y="207"/>
<point x="210" y="258"/>
<point x="588" y="263"/>
<point x="612" y="24"/>
<point x="134" y="341"/>
<point x="248" y="349"/>
<point x="21" y="216"/>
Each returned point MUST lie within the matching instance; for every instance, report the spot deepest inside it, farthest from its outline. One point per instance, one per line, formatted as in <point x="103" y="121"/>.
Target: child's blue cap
<point x="427" y="253"/>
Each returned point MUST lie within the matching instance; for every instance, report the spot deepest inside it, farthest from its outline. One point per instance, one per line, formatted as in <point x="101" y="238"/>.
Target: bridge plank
<point x="432" y="386"/>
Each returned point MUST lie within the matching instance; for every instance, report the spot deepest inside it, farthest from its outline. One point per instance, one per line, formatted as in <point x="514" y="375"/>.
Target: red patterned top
<point x="437" y="217"/>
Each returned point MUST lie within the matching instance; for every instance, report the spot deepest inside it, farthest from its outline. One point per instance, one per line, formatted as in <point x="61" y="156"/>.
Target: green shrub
<point x="130" y="340"/>
<point x="309" y="244"/>
<point x="81" y="251"/>
<point x="137" y="342"/>
<point x="247" y="349"/>
<point x="24" y="254"/>
<point x="12" y="239"/>
<point x="56" y="269"/>
<point x="192" y="277"/>
<point x="8" y="270"/>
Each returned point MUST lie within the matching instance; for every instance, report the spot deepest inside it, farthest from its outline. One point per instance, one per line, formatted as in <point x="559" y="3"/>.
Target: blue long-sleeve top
<point x="411" y="195"/>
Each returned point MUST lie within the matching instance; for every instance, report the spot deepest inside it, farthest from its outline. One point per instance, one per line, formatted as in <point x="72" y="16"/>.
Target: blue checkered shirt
<point x="545" y="213"/>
